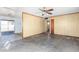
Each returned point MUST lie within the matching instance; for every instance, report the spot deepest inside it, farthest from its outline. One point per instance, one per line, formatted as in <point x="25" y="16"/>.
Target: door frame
<point x="50" y="24"/>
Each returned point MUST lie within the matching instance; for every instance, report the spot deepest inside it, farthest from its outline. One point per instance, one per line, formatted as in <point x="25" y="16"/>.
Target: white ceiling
<point x="65" y="10"/>
<point x="16" y="11"/>
<point x="57" y="10"/>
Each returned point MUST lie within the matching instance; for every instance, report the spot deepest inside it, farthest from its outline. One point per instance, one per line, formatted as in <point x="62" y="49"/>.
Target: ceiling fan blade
<point x="42" y="10"/>
<point x="50" y="13"/>
<point x="50" y="10"/>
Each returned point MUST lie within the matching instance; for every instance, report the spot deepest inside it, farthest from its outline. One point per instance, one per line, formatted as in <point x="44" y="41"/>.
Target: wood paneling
<point x="67" y="25"/>
<point x="32" y="25"/>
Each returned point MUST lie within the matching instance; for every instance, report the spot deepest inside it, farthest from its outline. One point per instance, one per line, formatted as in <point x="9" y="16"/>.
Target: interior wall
<point x="0" y="29"/>
<point x="46" y="26"/>
<point x="32" y="25"/>
<point x="67" y="25"/>
<point x="18" y="25"/>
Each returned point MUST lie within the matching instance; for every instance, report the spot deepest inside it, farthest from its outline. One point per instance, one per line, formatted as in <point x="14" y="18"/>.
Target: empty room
<point x="39" y="29"/>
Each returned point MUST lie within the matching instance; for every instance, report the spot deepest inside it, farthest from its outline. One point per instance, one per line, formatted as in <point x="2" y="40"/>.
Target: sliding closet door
<point x="32" y="25"/>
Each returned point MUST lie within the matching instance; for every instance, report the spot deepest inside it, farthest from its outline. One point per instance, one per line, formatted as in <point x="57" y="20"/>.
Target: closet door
<point x="52" y="26"/>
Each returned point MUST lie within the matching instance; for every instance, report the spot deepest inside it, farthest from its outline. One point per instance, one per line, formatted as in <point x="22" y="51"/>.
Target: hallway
<point x="43" y="43"/>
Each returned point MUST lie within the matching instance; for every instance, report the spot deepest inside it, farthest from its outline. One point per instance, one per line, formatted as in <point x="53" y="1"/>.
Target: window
<point x="7" y="26"/>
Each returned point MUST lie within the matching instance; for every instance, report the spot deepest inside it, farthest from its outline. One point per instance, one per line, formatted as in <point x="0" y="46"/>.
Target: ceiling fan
<point x="46" y="10"/>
